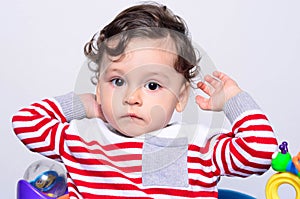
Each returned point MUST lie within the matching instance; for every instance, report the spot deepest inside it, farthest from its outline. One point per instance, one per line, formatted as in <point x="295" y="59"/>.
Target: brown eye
<point x="152" y="86"/>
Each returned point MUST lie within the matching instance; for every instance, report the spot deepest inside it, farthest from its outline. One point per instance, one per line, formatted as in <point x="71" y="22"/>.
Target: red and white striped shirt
<point x="185" y="160"/>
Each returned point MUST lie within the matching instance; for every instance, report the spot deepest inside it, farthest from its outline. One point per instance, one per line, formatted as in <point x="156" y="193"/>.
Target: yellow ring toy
<point x="281" y="178"/>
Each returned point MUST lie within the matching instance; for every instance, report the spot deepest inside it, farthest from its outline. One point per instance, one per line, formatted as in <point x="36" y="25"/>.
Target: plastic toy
<point x="43" y="179"/>
<point x="289" y="172"/>
<point x="232" y="194"/>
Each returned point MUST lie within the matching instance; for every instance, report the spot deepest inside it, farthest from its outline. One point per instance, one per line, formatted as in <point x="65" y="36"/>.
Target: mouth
<point x="132" y="116"/>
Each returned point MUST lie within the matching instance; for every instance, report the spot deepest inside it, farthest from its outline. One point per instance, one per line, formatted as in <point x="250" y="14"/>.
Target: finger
<point x="204" y="88"/>
<point x="217" y="74"/>
<point x="213" y="81"/>
<point x="202" y="102"/>
<point x="222" y="76"/>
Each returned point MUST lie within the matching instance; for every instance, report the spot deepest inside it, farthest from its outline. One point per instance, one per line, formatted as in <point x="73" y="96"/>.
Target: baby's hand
<point x="220" y="88"/>
<point x="92" y="108"/>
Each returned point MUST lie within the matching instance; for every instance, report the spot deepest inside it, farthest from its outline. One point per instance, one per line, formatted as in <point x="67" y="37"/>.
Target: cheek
<point x="107" y="104"/>
<point x="109" y="97"/>
<point x="160" y="115"/>
<point x="112" y="103"/>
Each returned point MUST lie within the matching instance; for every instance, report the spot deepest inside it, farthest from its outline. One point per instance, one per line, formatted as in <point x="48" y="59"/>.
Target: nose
<point x="133" y="97"/>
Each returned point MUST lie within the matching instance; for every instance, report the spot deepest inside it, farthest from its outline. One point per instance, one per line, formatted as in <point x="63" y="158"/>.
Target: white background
<point x="256" y="42"/>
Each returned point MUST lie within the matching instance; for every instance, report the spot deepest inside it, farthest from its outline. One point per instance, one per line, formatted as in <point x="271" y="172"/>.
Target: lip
<point x="132" y="116"/>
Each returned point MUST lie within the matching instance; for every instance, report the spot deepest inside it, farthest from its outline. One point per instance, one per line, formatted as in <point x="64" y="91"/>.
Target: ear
<point x="183" y="97"/>
<point x="98" y="98"/>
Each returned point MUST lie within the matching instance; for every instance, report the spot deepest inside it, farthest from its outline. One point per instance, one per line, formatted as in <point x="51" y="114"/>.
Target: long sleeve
<point x="41" y="125"/>
<point x="248" y="148"/>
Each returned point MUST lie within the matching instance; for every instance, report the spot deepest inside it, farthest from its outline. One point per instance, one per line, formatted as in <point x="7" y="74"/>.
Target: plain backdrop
<point x="255" y="42"/>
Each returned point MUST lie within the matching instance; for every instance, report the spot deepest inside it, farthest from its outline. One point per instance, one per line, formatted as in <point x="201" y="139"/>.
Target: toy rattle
<point x="289" y="172"/>
<point x="43" y="179"/>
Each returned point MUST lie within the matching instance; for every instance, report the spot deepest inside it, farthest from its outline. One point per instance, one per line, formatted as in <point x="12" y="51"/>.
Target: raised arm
<point x="248" y="148"/>
<point x="42" y="125"/>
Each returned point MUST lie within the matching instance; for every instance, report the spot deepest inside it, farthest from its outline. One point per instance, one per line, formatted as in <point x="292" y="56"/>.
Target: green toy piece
<point x="282" y="161"/>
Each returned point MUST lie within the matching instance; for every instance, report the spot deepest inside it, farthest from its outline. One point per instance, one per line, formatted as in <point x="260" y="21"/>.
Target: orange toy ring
<point x="296" y="161"/>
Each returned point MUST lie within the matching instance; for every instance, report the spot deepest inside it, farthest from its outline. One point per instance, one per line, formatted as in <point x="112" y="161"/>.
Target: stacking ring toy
<point x="289" y="172"/>
<point x="281" y="178"/>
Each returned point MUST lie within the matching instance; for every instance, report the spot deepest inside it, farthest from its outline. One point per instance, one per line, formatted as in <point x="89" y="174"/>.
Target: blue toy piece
<point x="230" y="194"/>
<point x="49" y="182"/>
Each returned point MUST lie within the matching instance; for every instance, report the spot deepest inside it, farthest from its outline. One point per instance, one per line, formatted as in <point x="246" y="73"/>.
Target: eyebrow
<point x="159" y="74"/>
<point x="117" y="70"/>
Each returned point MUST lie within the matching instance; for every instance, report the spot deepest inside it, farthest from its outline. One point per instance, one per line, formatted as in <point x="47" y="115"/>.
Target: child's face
<point x="139" y="93"/>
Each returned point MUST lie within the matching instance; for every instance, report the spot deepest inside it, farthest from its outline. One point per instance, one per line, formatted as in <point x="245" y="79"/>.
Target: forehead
<point x="144" y="52"/>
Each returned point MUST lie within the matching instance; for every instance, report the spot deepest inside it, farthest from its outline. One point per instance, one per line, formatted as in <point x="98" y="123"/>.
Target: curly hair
<point x="152" y="21"/>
